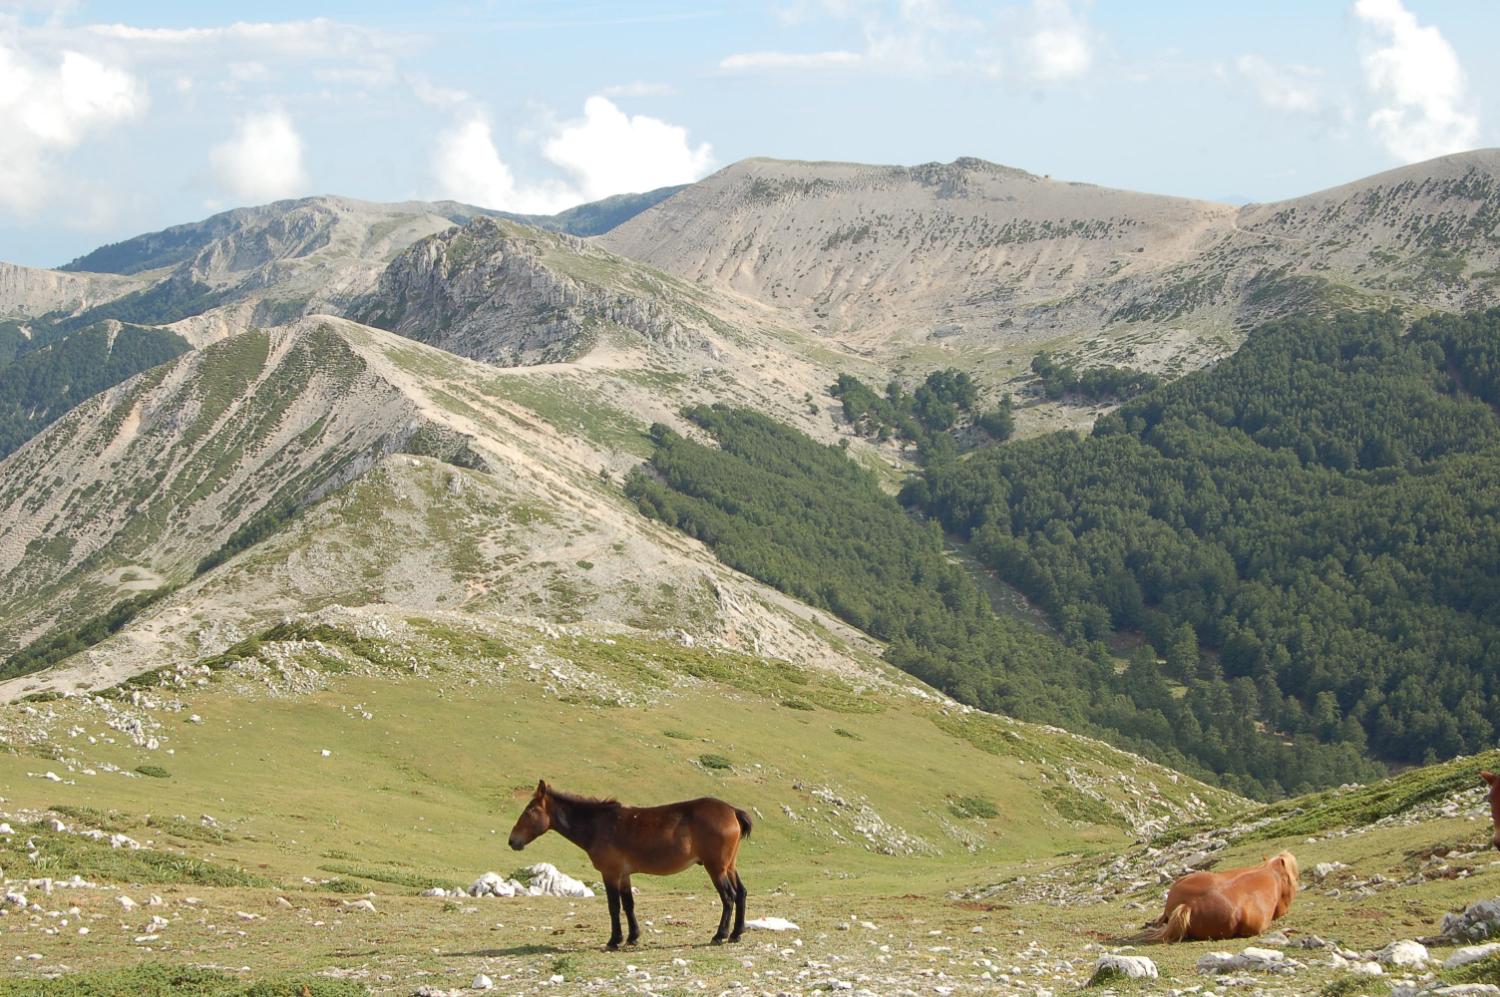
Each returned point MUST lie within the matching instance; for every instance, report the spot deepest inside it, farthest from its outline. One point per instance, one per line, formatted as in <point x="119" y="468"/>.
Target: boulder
<point x="1113" y="967"/>
<point x="1403" y="953"/>
<point x="1477" y="922"/>
<point x="1471" y="953"/>
<point x="545" y="880"/>
<point x="1252" y="959"/>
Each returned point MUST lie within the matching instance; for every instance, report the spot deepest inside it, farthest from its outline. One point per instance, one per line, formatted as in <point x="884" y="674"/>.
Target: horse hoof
<point x="612" y="945"/>
<point x="631" y="941"/>
<point x="716" y="940"/>
<point x="734" y="938"/>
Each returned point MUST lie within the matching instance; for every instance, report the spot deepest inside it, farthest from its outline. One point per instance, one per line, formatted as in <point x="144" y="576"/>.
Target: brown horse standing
<point x="1494" y="781"/>
<point x="1236" y="903"/>
<point x="657" y="841"/>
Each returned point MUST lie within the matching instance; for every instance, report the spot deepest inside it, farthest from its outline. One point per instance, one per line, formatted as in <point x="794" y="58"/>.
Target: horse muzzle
<point x="518" y="844"/>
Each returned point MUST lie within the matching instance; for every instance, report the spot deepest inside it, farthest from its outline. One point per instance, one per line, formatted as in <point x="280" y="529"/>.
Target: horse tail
<point x="1173" y="927"/>
<point x="745" y="822"/>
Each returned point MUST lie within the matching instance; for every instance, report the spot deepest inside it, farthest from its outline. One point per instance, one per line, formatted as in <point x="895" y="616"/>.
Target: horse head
<point x="1494" y="784"/>
<point x="1286" y="865"/>
<point x="534" y="821"/>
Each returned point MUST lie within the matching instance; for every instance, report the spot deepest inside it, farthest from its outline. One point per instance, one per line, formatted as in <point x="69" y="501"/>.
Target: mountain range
<point x="332" y="402"/>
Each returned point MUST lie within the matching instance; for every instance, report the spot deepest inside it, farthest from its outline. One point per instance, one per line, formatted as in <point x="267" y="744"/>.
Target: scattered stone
<point x="363" y="905"/>
<point x="481" y="982"/>
<point x="1113" y="967"/>
<point x="1256" y="960"/>
<point x="126" y="902"/>
<point x="1403" y="953"/>
<point x="1325" y="869"/>
<point x="1471" y="953"/>
<point x="1478" y="922"/>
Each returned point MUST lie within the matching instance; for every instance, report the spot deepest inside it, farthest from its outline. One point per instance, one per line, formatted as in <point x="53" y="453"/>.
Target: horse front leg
<point x="627" y="899"/>
<point x="615" y="936"/>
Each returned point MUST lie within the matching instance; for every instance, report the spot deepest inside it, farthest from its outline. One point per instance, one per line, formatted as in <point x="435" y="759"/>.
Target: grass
<point x="61" y="854"/>
<point x="717" y="763"/>
<point x="158" y="980"/>
<point x="1481" y="971"/>
<point x="973" y="806"/>
<point x="1335" y="809"/>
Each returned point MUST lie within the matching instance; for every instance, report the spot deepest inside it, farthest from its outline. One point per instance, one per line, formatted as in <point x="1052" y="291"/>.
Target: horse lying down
<point x="655" y="841"/>
<point x="1236" y="903"/>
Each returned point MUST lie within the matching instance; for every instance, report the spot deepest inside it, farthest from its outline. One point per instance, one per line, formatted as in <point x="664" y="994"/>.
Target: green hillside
<point x="1308" y="531"/>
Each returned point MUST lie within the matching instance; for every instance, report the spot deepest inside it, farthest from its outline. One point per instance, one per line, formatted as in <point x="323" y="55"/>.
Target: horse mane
<point x="584" y="802"/>
<point x="1290" y="862"/>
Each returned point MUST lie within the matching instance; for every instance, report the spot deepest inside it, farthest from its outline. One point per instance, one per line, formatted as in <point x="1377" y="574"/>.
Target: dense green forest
<point x="944" y="404"/>
<point x="41" y="382"/>
<point x="806" y="519"/>
<point x="1311" y="528"/>
<point x="1057" y="379"/>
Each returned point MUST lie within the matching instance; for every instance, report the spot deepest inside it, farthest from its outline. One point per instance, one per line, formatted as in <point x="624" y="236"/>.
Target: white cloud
<point x="1285" y="88"/>
<point x="1058" y="49"/>
<point x="262" y="161"/>
<point x="468" y="168"/>
<point x="1424" y="107"/>
<point x="742" y="62"/>
<point x="605" y="152"/>
<point x="1043" y="42"/>
<point x="47" y="109"/>
<point x="611" y="152"/>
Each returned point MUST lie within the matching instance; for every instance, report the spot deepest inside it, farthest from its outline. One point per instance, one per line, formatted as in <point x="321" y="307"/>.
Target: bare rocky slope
<point x="970" y="255"/>
<point x="380" y="471"/>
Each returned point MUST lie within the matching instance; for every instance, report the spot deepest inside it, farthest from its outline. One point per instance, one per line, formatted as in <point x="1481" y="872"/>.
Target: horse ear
<point x="1488" y="776"/>
<point x="541" y="787"/>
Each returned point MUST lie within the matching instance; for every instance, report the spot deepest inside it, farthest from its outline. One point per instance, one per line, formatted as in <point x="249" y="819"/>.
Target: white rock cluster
<point x="543" y="880"/>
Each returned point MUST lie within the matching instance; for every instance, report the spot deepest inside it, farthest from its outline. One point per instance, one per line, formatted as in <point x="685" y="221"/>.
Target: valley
<point x="328" y="527"/>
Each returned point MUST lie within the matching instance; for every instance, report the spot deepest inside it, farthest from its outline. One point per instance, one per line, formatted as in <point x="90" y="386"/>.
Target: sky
<point x="120" y="118"/>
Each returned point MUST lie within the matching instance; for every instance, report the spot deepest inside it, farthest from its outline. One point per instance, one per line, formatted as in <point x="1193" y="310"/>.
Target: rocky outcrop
<point x="504" y="294"/>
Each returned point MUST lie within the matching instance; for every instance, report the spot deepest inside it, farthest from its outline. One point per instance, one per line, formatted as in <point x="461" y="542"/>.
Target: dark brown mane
<point x="587" y="802"/>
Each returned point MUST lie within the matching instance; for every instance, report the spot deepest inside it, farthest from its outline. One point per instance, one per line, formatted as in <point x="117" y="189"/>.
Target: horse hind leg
<point x="740" y="893"/>
<point x="724" y="883"/>
<point x="627" y="900"/>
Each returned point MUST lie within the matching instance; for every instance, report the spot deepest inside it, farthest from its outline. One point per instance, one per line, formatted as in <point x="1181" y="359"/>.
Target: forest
<point x="806" y="519"/>
<point x="41" y="381"/>
<point x="1311" y="529"/>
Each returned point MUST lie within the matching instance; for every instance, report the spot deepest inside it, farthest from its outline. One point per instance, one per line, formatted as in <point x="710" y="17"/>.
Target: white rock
<point x="492" y="884"/>
<point x="771" y="924"/>
<point x="126" y="902"/>
<point x="1471" y="953"/>
<point x="363" y="905"/>
<point x="1325" y="869"/>
<point x="1403" y="953"/>
<point x="1253" y="959"/>
<point x="327" y="753"/>
<point x="1136" y="967"/>
<point x="6" y="828"/>
<point x="481" y="982"/>
<point x="548" y="881"/>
